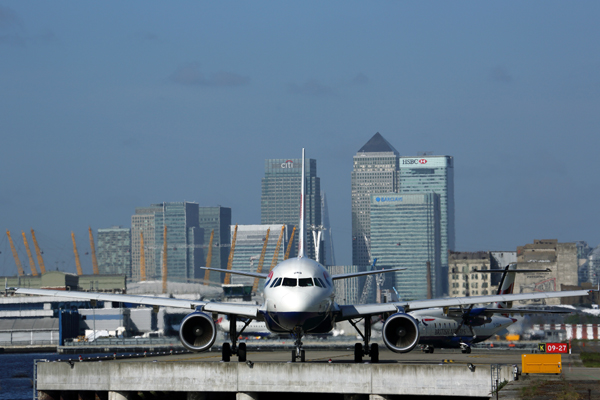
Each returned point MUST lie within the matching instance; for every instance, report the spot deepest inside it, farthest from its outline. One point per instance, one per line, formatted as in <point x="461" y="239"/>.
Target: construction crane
<point x="378" y="281"/>
<point x="164" y="266"/>
<point x="230" y="261"/>
<point x="276" y="253"/>
<point x="15" y="255"/>
<point x="31" y="262"/>
<point x="261" y="260"/>
<point x="289" y="246"/>
<point x="38" y="253"/>
<point x="142" y="258"/>
<point x="209" y="258"/>
<point x="94" y="259"/>
<point x="77" y="262"/>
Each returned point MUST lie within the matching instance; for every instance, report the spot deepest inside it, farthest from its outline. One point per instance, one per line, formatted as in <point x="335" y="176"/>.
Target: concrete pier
<point x="248" y="381"/>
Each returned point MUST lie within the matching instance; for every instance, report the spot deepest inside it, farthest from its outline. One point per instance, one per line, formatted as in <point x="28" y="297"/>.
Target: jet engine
<point x="400" y="333"/>
<point x="197" y="332"/>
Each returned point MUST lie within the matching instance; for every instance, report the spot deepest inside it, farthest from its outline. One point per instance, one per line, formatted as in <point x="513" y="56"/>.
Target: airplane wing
<point x="356" y="311"/>
<point x="245" y="310"/>
<point x="229" y="271"/>
<point x="353" y="274"/>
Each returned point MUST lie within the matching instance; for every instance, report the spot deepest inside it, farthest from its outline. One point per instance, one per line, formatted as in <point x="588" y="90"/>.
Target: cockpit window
<point x="321" y="282"/>
<point x="276" y="282"/>
<point x="290" y="282"/>
<point x="317" y="283"/>
<point x="304" y="282"/>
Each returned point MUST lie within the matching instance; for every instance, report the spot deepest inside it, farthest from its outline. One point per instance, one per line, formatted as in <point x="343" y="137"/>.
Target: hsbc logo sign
<point x="413" y="161"/>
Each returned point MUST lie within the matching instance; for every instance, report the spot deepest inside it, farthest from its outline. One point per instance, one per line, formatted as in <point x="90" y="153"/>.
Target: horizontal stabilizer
<point x="226" y="271"/>
<point x="353" y="274"/>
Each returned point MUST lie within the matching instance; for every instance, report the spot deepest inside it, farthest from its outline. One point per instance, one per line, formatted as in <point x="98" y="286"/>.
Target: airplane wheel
<point x="374" y="353"/>
<point x="468" y="350"/>
<point x="358" y="352"/>
<point x="293" y="355"/>
<point x="431" y="350"/>
<point x="226" y="352"/>
<point x="302" y="356"/>
<point x="464" y="351"/>
<point x="242" y="352"/>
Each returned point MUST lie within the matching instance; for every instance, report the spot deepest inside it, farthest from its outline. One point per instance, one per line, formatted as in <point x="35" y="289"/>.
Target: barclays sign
<point x="387" y="199"/>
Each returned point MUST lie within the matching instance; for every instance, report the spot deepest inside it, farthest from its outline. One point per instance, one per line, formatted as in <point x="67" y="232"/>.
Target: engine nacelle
<point x="197" y="332"/>
<point x="400" y="333"/>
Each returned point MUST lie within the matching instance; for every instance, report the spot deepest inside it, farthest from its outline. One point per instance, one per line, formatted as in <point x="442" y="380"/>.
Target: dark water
<point x="16" y="374"/>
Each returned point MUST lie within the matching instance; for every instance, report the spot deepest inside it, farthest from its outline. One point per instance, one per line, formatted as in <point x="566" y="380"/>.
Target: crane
<point x="142" y="258"/>
<point x="209" y="258"/>
<point x="38" y="253"/>
<point x="31" y="262"/>
<point x="278" y="246"/>
<point x="230" y="261"/>
<point x="261" y="260"/>
<point x="94" y="259"/>
<point x="77" y="262"/>
<point x="164" y="266"/>
<point x="15" y="255"/>
<point x="289" y="246"/>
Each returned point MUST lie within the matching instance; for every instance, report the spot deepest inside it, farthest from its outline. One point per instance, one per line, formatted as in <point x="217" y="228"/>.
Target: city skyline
<point x="185" y="103"/>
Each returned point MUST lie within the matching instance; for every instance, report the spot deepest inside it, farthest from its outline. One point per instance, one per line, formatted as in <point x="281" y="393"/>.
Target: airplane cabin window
<point x="305" y="282"/>
<point x="290" y="282"/>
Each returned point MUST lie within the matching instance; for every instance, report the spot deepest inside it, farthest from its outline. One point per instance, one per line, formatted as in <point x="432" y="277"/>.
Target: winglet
<point x="302" y="201"/>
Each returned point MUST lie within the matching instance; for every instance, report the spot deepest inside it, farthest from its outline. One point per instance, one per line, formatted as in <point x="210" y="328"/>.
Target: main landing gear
<point x="427" y="349"/>
<point x="465" y="348"/>
<point x="298" y="353"/>
<point x="364" y="349"/>
<point x="229" y="349"/>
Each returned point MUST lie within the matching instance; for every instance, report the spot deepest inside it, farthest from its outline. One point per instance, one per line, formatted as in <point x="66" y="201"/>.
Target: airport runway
<point x="347" y="356"/>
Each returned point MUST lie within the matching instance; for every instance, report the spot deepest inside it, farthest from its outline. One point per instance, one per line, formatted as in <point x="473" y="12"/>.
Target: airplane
<point x="460" y="328"/>
<point x="299" y="299"/>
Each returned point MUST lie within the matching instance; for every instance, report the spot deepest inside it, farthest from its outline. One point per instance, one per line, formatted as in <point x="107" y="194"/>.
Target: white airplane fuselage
<point x="299" y="294"/>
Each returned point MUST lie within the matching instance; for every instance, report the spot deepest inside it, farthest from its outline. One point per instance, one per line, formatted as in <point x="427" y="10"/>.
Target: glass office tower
<point x="183" y="239"/>
<point x="217" y="219"/>
<point x="375" y="171"/>
<point x="280" y="199"/>
<point x="405" y="233"/>
<point x="433" y="174"/>
<point x="114" y="251"/>
<point x="248" y="248"/>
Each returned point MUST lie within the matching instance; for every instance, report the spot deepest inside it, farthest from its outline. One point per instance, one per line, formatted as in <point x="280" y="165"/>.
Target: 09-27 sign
<point x="553" y="347"/>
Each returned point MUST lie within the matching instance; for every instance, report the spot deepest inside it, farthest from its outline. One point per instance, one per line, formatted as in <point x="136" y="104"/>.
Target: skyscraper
<point x="249" y="243"/>
<point x="280" y="199"/>
<point x="217" y="219"/>
<point x="376" y="170"/>
<point x="405" y="233"/>
<point x="433" y="174"/>
<point x="183" y="239"/>
<point x="114" y="251"/>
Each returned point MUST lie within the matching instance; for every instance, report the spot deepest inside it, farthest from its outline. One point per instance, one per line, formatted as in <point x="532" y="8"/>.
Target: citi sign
<point x="287" y="164"/>
<point x="421" y="161"/>
<point x="382" y="199"/>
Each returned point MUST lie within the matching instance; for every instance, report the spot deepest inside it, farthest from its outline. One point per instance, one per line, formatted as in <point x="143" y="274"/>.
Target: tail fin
<point x="302" y="201"/>
<point x="507" y="285"/>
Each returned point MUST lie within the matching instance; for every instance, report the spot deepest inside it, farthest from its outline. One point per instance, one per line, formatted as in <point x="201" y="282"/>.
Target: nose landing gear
<point x="298" y="353"/>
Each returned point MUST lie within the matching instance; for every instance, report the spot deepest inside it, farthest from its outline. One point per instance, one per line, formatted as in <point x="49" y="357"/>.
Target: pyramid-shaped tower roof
<point x="377" y="144"/>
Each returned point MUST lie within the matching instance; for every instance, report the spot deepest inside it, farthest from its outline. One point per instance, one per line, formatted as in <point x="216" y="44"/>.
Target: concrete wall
<point x="381" y="379"/>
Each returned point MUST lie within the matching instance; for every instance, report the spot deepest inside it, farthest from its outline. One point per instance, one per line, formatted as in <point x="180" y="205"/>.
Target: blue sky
<point x="107" y="106"/>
